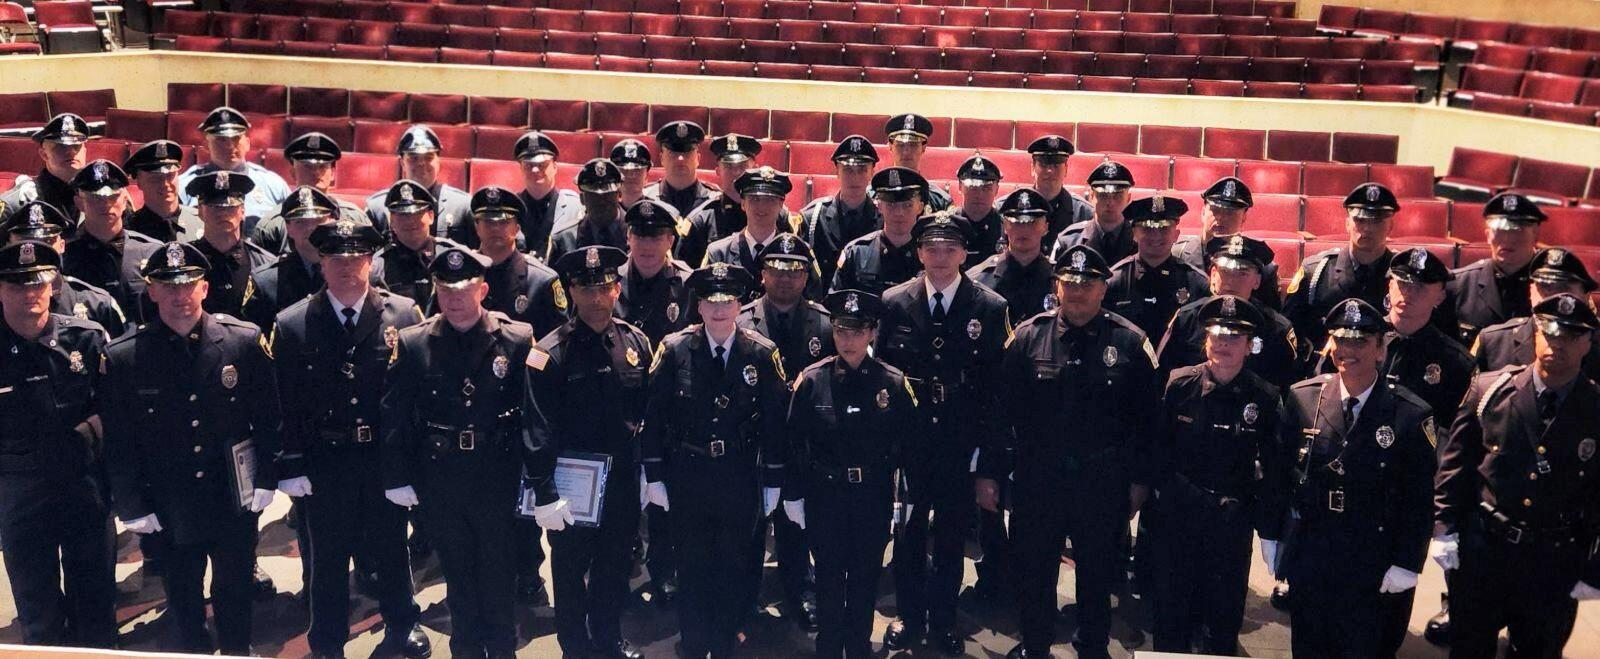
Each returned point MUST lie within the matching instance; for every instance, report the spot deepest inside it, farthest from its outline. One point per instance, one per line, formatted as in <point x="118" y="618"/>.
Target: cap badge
<point x="1431" y="374"/>
<point x="1567" y="305"/>
<point x="1236" y="243"/>
<point x="977" y="164"/>
<point x="344" y="228"/>
<point x="1109" y="357"/>
<point x="1079" y="260"/>
<point x="1385" y="436"/>
<point x="718" y="270"/>
<point x="161" y="150"/>
<point x="1024" y="201"/>
<point x="894" y="178"/>
<point x="221" y="181"/>
<point x="1557" y="256"/>
<point x="100" y="171"/>
<point x="855" y="144"/>
<point x="492" y="195"/>
<point x="419" y="137"/>
<point x="36" y="216"/>
<point x="1229" y="308"/>
<point x="591" y="257"/>
<point x="174" y="255"/>
<point x="852" y="303"/>
<point x="630" y="150"/>
<point x="306" y="199"/>
<point x="682" y="130"/>
<point x="599" y="168"/>
<point x="815" y="346"/>
<point x="767" y="173"/>
<point x="909" y="122"/>
<point x="314" y="142"/>
<point x="223" y="115"/>
<point x="733" y="142"/>
<point x="974" y="329"/>
<point x="1158" y="204"/>
<point x="1251" y="412"/>
<point x="406" y="194"/>
<point x="750" y="375"/>
<point x="1053" y="142"/>
<point x="1108" y="169"/>
<point x="26" y="256"/>
<point x="455" y="260"/>
<point x="1352" y="313"/>
<point x="647" y="209"/>
<point x="1511" y="202"/>
<point x="1372" y="193"/>
<point x="1230" y="189"/>
<point x="1419" y="259"/>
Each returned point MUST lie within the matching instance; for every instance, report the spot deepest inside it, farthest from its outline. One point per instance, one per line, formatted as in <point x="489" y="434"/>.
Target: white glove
<point x="143" y="525"/>
<point x="644" y="491"/>
<point x="1269" y="555"/>
<point x="1398" y="580"/>
<point x="769" y="501"/>
<point x="260" y="499"/>
<point x="1444" y="550"/>
<point x="405" y="497"/>
<point x="553" y="516"/>
<point x="796" y="512"/>
<point x="656" y="493"/>
<point x="1584" y="591"/>
<point x="295" y="487"/>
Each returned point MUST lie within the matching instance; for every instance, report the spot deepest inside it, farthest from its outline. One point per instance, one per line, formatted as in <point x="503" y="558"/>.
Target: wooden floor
<point x="280" y="623"/>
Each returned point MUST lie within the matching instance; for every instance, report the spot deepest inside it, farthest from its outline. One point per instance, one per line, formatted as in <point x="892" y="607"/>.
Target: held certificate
<point x="242" y="467"/>
<point x="580" y="478"/>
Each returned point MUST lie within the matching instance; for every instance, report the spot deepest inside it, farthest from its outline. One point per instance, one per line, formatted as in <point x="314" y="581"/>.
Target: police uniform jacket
<point x="229" y="275"/>
<point x="1274" y="354"/>
<point x="273" y="236"/>
<point x="871" y="264"/>
<point x="583" y="234"/>
<point x="277" y="285"/>
<point x="1150" y="296"/>
<point x="48" y="386"/>
<point x="452" y="217"/>
<point x="81" y="300"/>
<point x="404" y="272"/>
<point x="827" y="226"/>
<point x="685" y="200"/>
<point x="1066" y="209"/>
<point x="660" y="306"/>
<point x="804" y="336"/>
<point x="711" y="222"/>
<point x="553" y="212"/>
<point x="44" y="187"/>
<point x="1192" y="250"/>
<point x="1511" y="343"/>
<point x="1027" y="289"/>
<point x="1213" y="442"/>
<point x="186" y="225"/>
<point x="851" y="427"/>
<point x="528" y="291"/>
<point x="1429" y="364"/>
<point x="1480" y="296"/>
<point x="1113" y="245"/>
<point x="987" y="238"/>
<point x="1328" y="278"/>
<point x="112" y="266"/>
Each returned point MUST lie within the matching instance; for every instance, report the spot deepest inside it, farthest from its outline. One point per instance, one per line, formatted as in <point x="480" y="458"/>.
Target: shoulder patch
<point x="537" y="358"/>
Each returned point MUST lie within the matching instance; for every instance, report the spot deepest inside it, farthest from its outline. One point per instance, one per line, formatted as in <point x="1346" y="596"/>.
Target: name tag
<point x="1184" y="419"/>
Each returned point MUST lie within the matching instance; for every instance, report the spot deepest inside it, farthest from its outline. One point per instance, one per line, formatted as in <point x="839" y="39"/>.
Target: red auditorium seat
<point x="1201" y="87"/>
<point x="1332" y="92"/>
<point x="196" y="96"/>
<point x="714" y="48"/>
<point x="1148" y="171"/>
<point x="1196" y="23"/>
<point x="566" y="41"/>
<point x="340" y="129"/>
<point x="1028" y="131"/>
<point x="788" y="10"/>
<point x="385" y="106"/>
<point x="521" y="40"/>
<point x="184" y="22"/>
<point x="89" y="104"/>
<point x="1572" y="226"/>
<point x="1386" y="72"/>
<point x="1270" y="176"/>
<point x="1150" y="43"/>
<point x="576" y="147"/>
<point x="1236" y="143"/>
<point x="1508" y="105"/>
<point x="1422" y="221"/>
<point x="1171" y="86"/>
<point x="262" y="99"/>
<point x="743" y="8"/>
<point x="753" y="122"/>
<point x="1325" y="217"/>
<point x="307" y="49"/>
<point x="1042" y="39"/>
<point x="1105" y="21"/>
<point x="1440" y="28"/>
<point x="917" y="57"/>
<point x="558" y="19"/>
<point x="1019" y="61"/>
<point x="1243" y="25"/>
<point x="1332" y="179"/>
<point x="1013" y="17"/>
<point x="1572" y="114"/>
<point x="1273" y="90"/>
<point x="668" y="47"/>
<point x="983" y="133"/>
<point x="472" y="38"/>
<point x="1277" y="69"/>
<point x="1057" y="81"/>
<point x="968" y="59"/>
<point x="1308" y="47"/>
<point x="411" y="12"/>
<point x="752" y="28"/>
<point x="510" y="17"/>
<point x="1170" y="66"/>
<point x="1548" y="182"/>
<point x="1336" y="71"/>
<point x="572" y="61"/>
<point x="1275" y="216"/>
<point x="1126" y="65"/>
<point x="411" y="54"/>
<point x="1530" y="34"/>
<point x="1355" y="48"/>
<point x="997" y="37"/>
<point x="233" y="25"/>
<point x="1098" y="42"/>
<point x="516" y="58"/>
<point x="1170" y="140"/>
<point x="898" y="35"/>
<point x="460" y="15"/>
<point x="1389" y="93"/>
<point x="867" y="55"/>
<point x="370" y="33"/>
<point x="1147" y="22"/>
<point x="1251" y="45"/>
<point x="106" y="149"/>
<point x="1475" y="174"/>
<point x="1503" y="55"/>
<point x="19" y="155"/>
<point x="1493" y="80"/>
<point x="834" y="12"/>
<point x="1339" y="17"/>
<point x="1562" y="61"/>
<point x="947" y="37"/>
<point x="1305" y="146"/>
<point x="280" y="28"/>
<point x="1406" y="181"/>
<point x="1287" y="27"/>
<point x="845" y="124"/>
<point x="495" y="142"/>
<point x="1365" y="148"/>
<point x="1551" y="87"/>
<point x="1218" y="67"/>
<point x="818" y="54"/>
<point x="804" y="125"/>
<point x="1068" y="61"/>
<point x="365" y="171"/>
<point x="1116" y="84"/>
<point x="1055" y="20"/>
<point x="438" y="108"/>
<point x="496" y="111"/>
<point x="133" y="125"/>
<point x="619" y="117"/>
<point x="622" y="64"/>
<point x="661" y="115"/>
<point x="782" y="71"/>
<point x="1107" y="138"/>
<point x="811" y="157"/>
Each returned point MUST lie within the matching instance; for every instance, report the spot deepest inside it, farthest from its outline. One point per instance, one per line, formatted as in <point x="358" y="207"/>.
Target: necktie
<point x="938" y="308"/>
<point x="349" y="319"/>
<point x="722" y="359"/>
<point x="1547" y="406"/>
<point x="780" y="328"/>
<point x="1350" y="412"/>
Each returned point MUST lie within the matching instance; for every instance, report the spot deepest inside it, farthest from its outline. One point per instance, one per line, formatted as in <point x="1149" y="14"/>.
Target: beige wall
<point x="1581" y="13"/>
<point x="1428" y="133"/>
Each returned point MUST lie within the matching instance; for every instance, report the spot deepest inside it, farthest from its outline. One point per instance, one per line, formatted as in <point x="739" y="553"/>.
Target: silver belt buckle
<point x="937" y="392"/>
<point x="717" y="448"/>
<point x="853" y="474"/>
<point x="467" y="440"/>
<point x="1514" y="534"/>
<point x="363" y="434"/>
<point x="1336" y="500"/>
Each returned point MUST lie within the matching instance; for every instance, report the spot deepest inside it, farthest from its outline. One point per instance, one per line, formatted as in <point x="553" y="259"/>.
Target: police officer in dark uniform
<point x="632" y="158"/>
<point x="154" y="167"/>
<point x="761" y="192"/>
<point x="1237" y="264"/>
<point x="680" y="158"/>
<point x="53" y="511"/>
<point x="1517" y="494"/>
<point x="402" y="266"/>
<point x="801" y="330"/>
<point x="519" y="285"/>
<point x="908" y="140"/>
<point x="852" y="419"/>
<point x="1211" y="446"/>
<point x="457" y="433"/>
<point x="590" y="376"/>
<point x="105" y="254"/>
<point x="1149" y="286"/>
<point x="190" y="399"/>
<point x="419" y="153"/>
<point x="312" y="158"/>
<point x="1021" y="273"/>
<point x="1227" y="202"/>
<point x="830" y="223"/>
<point x="230" y="256"/>
<point x="61" y="150"/>
<point x="1495" y="289"/>
<point x="1050" y="153"/>
<point x="980" y="186"/>
<point x="549" y="208"/>
<point x="724" y="215"/>
<point x="1553" y="270"/>
<point x="333" y="352"/>
<point x="888" y="256"/>
<point x="947" y="334"/>
<point x="298" y="272"/>
<point x="1355" y="270"/>
<point x="227" y="142"/>
<point x="601" y="220"/>
<point x="1110" y="191"/>
<point x="1079" y="385"/>
<point x="655" y="290"/>
<point x="74" y="297"/>
<point x="716" y="405"/>
<point x="1354" y="524"/>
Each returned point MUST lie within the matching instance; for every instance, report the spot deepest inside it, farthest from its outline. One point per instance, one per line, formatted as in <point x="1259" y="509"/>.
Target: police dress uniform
<point x="601" y="177"/>
<point x="1028" y="289"/>
<point x="556" y="209"/>
<point x="916" y="128"/>
<point x="1065" y="208"/>
<point x="113" y="267"/>
<point x="59" y="551"/>
<point x="1326" y="279"/>
<point x="659" y="305"/>
<point x="1230" y="192"/>
<point x="179" y="409"/>
<point x="721" y="421"/>
<point x="854" y="430"/>
<point x="1209" y="447"/>
<point x="162" y="156"/>
<point x="949" y="345"/>
<point x="872" y="263"/>
<point x="1275" y="357"/>
<point x="397" y="267"/>
<point x="1517" y="485"/>
<point x="723" y="215"/>
<point x="681" y="136"/>
<point x="229" y="271"/>
<point x="826" y="224"/>
<point x="65" y="128"/>
<point x="451" y="218"/>
<point x="269" y="190"/>
<point x="456" y="427"/>
<point x="1481" y="295"/>
<point x="987" y="236"/>
<point x="592" y="385"/>
<point x="1148" y="294"/>
<point x="741" y="248"/>
<point x="1112" y="244"/>
<point x="290" y="278"/>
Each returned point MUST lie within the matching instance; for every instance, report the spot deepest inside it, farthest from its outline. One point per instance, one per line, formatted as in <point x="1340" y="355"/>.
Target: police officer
<point x="589" y="374"/>
<point x="192" y="424"/>
<point x="1354" y="524"/>
<point x="716" y="405"/>
<point x="761" y="192"/>
<point x="402" y="265"/>
<point x="908" y="140"/>
<point x="800" y="329"/>
<point x="680" y="158"/>
<point x="1516" y="494"/>
<point x="1110" y="191"/>
<point x="1495" y="289"/>
<point x="1079" y="385"/>
<point x="1049" y="154"/>
<point x="298" y="272"/>
<point x="980" y="187"/>
<point x="852" y="419"/>
<point x="1237" y="264"/>
<point x="1149" y="286"/>
<point x="1020" y="273"/>
<point x="632" y="158"/>
<point x="601" y="220"/>
<point x="724" y="215"/>
<point x="62" y="152"/>
<point x="1357" y="269"/>
<point x="418" y="151"/>
<point x="888" y="256"/>
<point x="655" y="291"/>
<point x="457" y="433"/>
<point x="946" y="333"/>
<point x="312" y="158"/>
<point x="333" y="352"/>
<point x="230" y="256"/>
<point x="104" y="253"/>
<point x="53" y="511"/>
<point x="1227" y="202"/>
<point x="228" y="143"/>
<point x="519" y="285"/>
<point x="1553" y="270"/>
<point x="1210" y="448"/>
<point x="830" y="223"/>
<point x="549" y="208"/>
<point x="154" y="166"/>
<point x="39" y="221"/>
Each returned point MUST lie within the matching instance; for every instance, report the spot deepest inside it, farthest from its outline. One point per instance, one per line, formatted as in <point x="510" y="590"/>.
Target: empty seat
<point x="1266" y="176"/>
<point x="619" y="117"/>
<point x="1405" y="181"/>
<point x="264" y="99"/>
<point x="751" y="122"/>
<point x="339" y="129"/>
<point x="1365" y="148"/>
<point x="1550" y="182"/>
<point x="497" y="111"/>
<point x="803" y="125"/>
<point x="387" y="106"/>
<point x="1235" y="143"/>
<point x="983" y="133"/>
<point x="1333" y="179"/>
<point x="1108" y="138"/>
<point x="90" y="104"/>
<point x="1171" y="86"/>
<point x="1551" y="87"/>
<point x="1307" y="146"/>
<point x="1170" y="140"/>
<point x="130" y="125"/>
<point x="1474" y="174"/>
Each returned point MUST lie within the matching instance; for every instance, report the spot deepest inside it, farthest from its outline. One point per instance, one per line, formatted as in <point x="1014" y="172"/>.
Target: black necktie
<point x="780" y="328"/>
<point x="938" y="308"/>
<point x="1548" y="403"/>
<point x="349" y="319"/>
<point x="722" y="359"/>
<point x="1350" y="412"/>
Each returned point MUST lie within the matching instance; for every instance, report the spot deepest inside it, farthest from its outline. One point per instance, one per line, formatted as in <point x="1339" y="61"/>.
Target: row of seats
<point x="1553" y="96"/>
<point x="26" y="111"/>
<point x="13" y="23"/>
<point x="1476" y="174"/>
<point x="1460" y="32"/>
<point x="62" y="26"/>
<point x="1564" y="61"/>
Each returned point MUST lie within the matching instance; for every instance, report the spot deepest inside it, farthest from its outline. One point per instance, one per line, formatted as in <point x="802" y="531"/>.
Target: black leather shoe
<point x="1017" y="652"/>
<point x="1280" y="596"/>
<point x="1437" y="631"/>
<point x="805" y="615"/>
<point x="532" y="592"/>
<point x="617" y="650"/>
<point x="951" y="644"/>
<point x="900" y="636"/>
<point x="265" y="589"/>
<point x="412" y="644"/>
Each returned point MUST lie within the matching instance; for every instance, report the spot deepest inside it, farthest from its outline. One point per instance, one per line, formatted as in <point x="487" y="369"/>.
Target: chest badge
<point x="1385" y="436"/>
<point x="1050" y="302"/>
<point x="230" y="377"/>
<point x="1255" y="345"/>
<point x="672" y="312"/>
<point x="521" y="304"/>
<point x="974" y="329"/>
<point x="75" y="362"/>
<point x="815" y="346"/>
<point x="391" y="337"/>
<point x="1431" y="374"/>
<point x="883" y="399"/>
<point x="1251" y="412"/>
<point x="1110" y="356"/>
<point x="501" y="366"/>
<point x="1586" y="449"/>
<point x="1183" y="296"/>
<point x="81" y="310"/>
<point x="750" y="374"/>
<point x="632" y="356"/>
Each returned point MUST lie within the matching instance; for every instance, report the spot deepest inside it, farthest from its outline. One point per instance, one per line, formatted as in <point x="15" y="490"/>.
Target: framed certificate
<point x="242" y="467"/>
<point x="580" y="478"/>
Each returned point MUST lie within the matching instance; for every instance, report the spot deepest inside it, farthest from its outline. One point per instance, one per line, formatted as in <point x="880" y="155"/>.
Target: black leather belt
<point x="934" y="392"/>
<point x="361" y="434"/>
<point x="1500" y="526"/>
<point x="450" y="438"/>
<point x="714" y="449"/>
<point x="851" y="475"/>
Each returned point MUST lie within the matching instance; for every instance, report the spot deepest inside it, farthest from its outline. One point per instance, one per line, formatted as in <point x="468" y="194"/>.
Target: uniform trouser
<point x="1200" y="568"/>
<point x="996" y="569"/>
<point x="530" y="550"/>
<point x="467" y="507"/>
<point x="715" y="504"/>
<point x="659" y="559"/>
<point x="65" y="538"/>
<point x="347" y="516"/>
<point x="231" y="549"/>
<point x="925" y="588"/>
<point x="1524" y="589"/>
<point x="794" y="559"/>
<point x="1091" y="506"/>
<point x="1394" y="613"/>
<point x="1333" y="577"/>
<point x="590" y="611"/>
<point x="849" y="527"/>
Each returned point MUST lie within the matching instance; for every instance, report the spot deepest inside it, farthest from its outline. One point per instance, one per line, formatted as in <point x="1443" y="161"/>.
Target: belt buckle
<point x="1336" y="501"/>
<point x="467" y="440"/>
<point x="363" y="434"/>
<point x="937" y="392"/>
<point x="1514" y="534"/>
<point x="717" y="448"/>
<point x="853" y="474"/>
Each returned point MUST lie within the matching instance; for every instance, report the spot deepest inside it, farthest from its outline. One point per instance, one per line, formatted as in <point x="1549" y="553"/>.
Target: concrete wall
<point x="1581" y="13"/>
